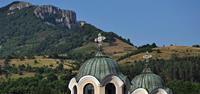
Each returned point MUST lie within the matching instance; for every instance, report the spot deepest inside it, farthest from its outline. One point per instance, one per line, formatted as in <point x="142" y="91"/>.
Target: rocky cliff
<point x="19" y="5"/>
<point x="56" y="15"/>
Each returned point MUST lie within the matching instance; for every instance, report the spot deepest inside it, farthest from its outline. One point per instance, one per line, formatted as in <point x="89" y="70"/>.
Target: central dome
<point x="100" y="67"/>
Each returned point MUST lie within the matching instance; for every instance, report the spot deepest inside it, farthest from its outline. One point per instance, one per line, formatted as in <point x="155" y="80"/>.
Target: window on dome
<point x="75" y="89"/>
<point x="110" y="89"/>
<point x="89" y="89"/>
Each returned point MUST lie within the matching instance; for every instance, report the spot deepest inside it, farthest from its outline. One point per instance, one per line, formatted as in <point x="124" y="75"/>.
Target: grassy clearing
<point x="165" y="53"/>
<point x="40" y="62"/>
<point x="16" y="76"/>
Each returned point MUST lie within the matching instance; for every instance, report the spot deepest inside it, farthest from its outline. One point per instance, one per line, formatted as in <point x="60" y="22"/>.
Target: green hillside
<point x="24" y="34"/>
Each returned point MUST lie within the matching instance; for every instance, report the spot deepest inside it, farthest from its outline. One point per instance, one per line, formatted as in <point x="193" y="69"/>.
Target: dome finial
<point x="147" y="70"/>
<point x="147" y="56"/>
<point x="99" y="40"/>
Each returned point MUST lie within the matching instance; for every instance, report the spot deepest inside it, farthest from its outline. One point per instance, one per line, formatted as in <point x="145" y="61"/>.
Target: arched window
<point x="75" y="89"/>
<point x="110" y="89"/>
<point x="88" y="89"/>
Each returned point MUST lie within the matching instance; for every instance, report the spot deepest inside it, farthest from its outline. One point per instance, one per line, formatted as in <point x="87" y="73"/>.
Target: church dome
<point x="147" y="80"/>
<point x="100" y="67"/>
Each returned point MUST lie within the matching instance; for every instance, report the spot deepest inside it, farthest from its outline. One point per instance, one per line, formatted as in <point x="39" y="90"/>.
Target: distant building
<point x="102" y="75"/>
<point x="82" y="23"/>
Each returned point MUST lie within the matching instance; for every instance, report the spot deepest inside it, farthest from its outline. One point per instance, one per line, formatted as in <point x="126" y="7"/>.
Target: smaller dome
<point x="147" y="80"/>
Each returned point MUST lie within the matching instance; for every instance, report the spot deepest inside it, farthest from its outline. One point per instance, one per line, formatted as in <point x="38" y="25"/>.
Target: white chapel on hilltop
<point x="102" y="75"/>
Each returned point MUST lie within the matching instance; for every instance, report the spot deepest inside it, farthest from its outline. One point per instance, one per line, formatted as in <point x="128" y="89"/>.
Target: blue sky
<point x="143" y="21"/>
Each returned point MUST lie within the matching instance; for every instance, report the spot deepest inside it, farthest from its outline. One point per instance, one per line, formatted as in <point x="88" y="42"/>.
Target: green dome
<point x="147" y="80"/>
<point x="100" y="67"/>
<point x="167" y="90"/>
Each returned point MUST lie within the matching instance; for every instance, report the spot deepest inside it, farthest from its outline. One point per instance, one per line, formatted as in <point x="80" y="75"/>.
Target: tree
<point x="39" y="76"/>
<point x="22" y="67"/>
<point x="52" y="77"/>
<point x="60" y="67"/>
<point x="36" y="62"/>
<point x="7" y="73"/>
<point x="29" y="68"/>
<point x="196" y="45"/>
<point x="7" y="62"/>
<point x="154" y="45"/>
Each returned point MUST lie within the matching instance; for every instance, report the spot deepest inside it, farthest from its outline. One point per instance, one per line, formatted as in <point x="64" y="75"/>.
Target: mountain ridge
<point x="23" y="33"/>
<point x="48" y="13"/>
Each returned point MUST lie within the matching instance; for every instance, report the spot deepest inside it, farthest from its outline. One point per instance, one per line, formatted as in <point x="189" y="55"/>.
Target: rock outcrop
<point x="19" y="5"/>
<point x="56" y="15"/>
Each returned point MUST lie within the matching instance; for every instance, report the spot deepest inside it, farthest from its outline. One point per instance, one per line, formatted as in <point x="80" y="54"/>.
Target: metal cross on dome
<point x="147" y="56"/>
<point x="99" y="40"/>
